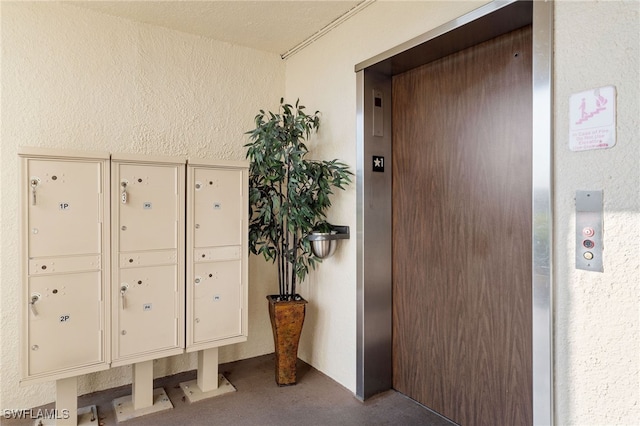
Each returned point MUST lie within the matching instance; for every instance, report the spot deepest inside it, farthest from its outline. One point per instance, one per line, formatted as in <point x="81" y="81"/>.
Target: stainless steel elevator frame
<point x="373" y="229"/>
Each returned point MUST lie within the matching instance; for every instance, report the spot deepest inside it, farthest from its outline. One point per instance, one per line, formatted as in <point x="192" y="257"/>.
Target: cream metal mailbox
<point x="148" y="202"/>
<point x="217" y="229"/>
<point x="216" y="269"/>
<point x="65" y="253"/>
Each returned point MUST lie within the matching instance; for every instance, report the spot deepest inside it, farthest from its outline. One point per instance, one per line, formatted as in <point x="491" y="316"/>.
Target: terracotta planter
<point x="286" y="322"/>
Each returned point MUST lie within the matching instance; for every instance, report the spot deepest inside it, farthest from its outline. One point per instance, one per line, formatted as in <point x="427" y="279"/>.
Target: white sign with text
<point x="592" y="116"/>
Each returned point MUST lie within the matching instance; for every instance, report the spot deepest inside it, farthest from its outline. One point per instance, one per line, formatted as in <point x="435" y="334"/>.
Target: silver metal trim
<point x="540" y="15"/>
<point x="482" y="31"/>
<point x="542" y="203"/>
<point x="360" y="378"/>
<point x="374" y="227"/>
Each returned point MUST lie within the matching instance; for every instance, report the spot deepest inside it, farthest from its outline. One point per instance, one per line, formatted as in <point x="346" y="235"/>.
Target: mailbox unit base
<point x="195" y="394"/>
<point x="125" y="411"/>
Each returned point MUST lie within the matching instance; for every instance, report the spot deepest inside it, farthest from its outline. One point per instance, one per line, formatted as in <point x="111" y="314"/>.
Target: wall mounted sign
<point x="378" y="163"/>
<point x="592" y="116"/>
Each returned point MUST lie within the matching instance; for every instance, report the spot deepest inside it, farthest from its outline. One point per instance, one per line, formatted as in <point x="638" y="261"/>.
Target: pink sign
<point x="592" y="116"/>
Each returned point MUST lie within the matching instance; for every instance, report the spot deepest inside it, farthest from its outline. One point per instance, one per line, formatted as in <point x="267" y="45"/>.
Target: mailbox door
<point x="217" y="301"/>
<point x="218" y="207"/>
<point x="65" y="324"/>
<point x="149" y="215"/>
<point x="64" y="208"/>
<point x="147" y="310"/>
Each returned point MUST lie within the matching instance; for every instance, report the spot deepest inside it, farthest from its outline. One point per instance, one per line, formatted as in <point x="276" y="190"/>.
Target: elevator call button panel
<point x="589" y="230"/>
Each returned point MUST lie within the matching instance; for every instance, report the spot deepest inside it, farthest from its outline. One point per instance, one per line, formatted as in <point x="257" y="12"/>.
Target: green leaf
<point x="288" y="194"/>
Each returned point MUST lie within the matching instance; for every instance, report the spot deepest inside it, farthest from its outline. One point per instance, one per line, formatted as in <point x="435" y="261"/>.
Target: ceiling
<point x="272" y="26"/>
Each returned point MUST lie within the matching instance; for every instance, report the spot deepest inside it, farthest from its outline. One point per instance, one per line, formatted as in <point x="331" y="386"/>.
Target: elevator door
<point x="461" y="233"/>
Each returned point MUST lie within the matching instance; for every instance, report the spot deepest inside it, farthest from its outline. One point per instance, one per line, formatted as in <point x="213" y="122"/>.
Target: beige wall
<point x="597" y="332"/>
<point x="75" y="79"/>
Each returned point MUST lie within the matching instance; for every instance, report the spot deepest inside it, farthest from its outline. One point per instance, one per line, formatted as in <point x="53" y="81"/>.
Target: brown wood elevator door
<point x="462" y="143"/>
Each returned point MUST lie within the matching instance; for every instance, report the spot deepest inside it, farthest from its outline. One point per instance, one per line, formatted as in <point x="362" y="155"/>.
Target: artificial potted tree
<point x="288" y="198"/>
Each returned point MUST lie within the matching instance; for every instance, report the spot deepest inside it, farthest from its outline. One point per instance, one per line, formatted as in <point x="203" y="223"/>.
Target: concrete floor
<point x="315" y="400"/>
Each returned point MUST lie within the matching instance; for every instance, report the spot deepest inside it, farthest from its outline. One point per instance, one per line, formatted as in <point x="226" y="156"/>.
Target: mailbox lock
<point x="34" y="184"/>
<point x="123" y="195"/>
<point x="123" y="290"/>
<point x="34" y="299"/>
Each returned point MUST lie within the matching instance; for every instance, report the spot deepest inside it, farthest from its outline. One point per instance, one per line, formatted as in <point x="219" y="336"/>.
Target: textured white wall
<point x="75" y="79"/>
<point x="598" y="314"/>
